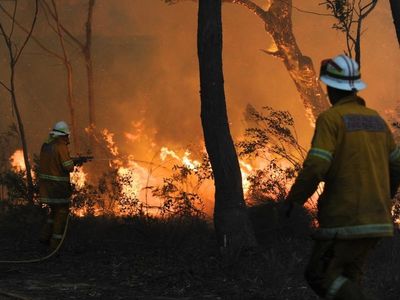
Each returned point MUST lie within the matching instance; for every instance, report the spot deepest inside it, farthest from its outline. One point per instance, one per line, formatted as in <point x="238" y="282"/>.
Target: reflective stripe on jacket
<point x="354" y="153"/>
<point x="54" y="168"/>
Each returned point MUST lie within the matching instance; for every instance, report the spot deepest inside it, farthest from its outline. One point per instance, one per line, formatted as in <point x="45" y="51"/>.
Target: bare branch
<point x="37" y="41"/>
<point x="30" y="32"/>
<point x="14" y="16"/>
<point x="67" y="32"/>
<point x="46" y="14"/>
<point x="4" y="86"/>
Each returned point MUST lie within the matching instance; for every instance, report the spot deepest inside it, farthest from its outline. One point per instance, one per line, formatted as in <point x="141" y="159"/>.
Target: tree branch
<point x="256" y="9"/>
<point x="37" y="41"/>
<point x="30" y="32"/>
<point x="4" y="86"/>
<point x="67" y="32"/>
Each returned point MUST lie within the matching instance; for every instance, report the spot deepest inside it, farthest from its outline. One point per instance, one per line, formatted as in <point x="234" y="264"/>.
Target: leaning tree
<point x="277" y="19"/>
<point x="231" y="222"/>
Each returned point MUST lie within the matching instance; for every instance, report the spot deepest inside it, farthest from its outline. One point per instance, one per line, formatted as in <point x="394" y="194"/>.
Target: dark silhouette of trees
<point x="395" y="6"/>
<point x="277" y="21"/>
<point x="232" y="225"/>
<point x="14" y="54"/>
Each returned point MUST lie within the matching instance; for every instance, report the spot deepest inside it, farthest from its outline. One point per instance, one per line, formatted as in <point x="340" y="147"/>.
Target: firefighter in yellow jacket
<point x="54" y="183"/>
<point x="354" y="154"/>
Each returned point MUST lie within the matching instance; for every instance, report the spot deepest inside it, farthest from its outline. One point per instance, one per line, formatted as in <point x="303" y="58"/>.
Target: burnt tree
<point x="395" y="6"/>
<point x="277" y="19"/>
<point x="231" y="222"/>
<point x="14" y="54"/>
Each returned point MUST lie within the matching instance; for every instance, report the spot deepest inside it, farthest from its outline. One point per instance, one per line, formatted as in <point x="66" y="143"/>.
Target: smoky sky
<point x="146" y="70"/>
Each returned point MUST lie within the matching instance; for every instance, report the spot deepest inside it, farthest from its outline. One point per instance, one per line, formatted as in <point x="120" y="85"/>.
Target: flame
<point x="135" y="177"/>
<point x="17" y="161"/>
<point x="109" y="139"/>
<point x="185" y="160"/>
<point x="266" y="5"/>
<point x="397" y="220"/>
<point x="245" y="169"/>
<point x="78" y="178"/>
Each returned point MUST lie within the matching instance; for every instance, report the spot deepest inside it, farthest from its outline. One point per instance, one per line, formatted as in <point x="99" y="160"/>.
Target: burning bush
<point x="271" y="143"/>
<point x="180" y="191"/>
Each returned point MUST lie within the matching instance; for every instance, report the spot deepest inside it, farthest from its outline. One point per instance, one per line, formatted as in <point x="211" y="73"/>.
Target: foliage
<point x="180" y="191"/>
<point x="15" y="185"/>
<point x="107" y="197"/>
<point x="272" y="140"/>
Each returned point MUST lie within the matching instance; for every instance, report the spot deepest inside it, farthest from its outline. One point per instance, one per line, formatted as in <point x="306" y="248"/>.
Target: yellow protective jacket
<point x="354" y="153"/>
<point x="54" y="168"/>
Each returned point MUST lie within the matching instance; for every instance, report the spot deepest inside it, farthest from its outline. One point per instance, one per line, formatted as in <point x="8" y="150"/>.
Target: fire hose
<point x="36" y="260"/>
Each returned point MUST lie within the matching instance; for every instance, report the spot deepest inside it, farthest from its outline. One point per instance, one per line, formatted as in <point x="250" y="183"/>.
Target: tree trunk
<point x="232" y="226"/>
<point x="278" y="23"/>
<point x="68" y="68"/>
<point x="395" y="6"/>
<point x="71" y="106"/>
<point x="21" y="131"/>
<point x="87" y="53"/>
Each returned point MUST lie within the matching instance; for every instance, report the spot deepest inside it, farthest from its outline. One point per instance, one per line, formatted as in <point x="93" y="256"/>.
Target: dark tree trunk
<point x="395" y="6"/>
<point x="231" y="222"/>
<point x="87" y="53"/>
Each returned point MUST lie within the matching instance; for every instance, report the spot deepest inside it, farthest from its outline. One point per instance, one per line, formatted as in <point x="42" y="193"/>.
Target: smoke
<point x="146" y="71"/>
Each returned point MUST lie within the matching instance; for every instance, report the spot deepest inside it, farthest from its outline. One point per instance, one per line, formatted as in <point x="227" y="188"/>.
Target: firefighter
<point x="54" y="183"/>
<point x="354" y="154"/>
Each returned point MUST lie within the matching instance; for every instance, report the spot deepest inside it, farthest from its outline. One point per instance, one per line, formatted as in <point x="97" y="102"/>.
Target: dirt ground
<point x="109" y="258"/>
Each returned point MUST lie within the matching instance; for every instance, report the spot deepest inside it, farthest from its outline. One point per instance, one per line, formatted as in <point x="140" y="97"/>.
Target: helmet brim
<point x="342" y="84"/>
<point x="58" y="133"/>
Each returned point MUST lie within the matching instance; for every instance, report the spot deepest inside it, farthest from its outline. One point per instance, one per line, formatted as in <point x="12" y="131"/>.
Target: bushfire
<point x="134" y="179"/>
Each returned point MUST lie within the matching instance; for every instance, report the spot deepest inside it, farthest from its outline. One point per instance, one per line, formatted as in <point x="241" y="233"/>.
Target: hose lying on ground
<point x="35" y="260"/>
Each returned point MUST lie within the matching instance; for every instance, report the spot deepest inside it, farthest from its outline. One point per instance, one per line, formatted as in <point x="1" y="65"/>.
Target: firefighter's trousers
<point x="53" y="229"/>
<point x="336" y="267"/>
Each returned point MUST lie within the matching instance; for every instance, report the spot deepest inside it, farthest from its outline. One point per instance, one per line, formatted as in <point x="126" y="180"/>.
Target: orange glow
<point x="78" y="178"/>
<point x="246" y="170"/>
<point x="17" y="161"/>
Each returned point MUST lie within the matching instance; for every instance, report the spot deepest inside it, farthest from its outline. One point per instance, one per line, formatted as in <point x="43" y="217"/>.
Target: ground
<point x="134" y="258"/>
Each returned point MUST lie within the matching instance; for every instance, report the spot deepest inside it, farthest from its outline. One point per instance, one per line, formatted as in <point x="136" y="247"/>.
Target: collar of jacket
<point x="352" y="98"/>
<point x="50" y="139"/>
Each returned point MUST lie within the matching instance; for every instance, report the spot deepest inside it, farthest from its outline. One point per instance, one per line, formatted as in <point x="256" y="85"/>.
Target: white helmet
<point x="341" y="72"/>
<point x="60" y="128"/>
